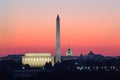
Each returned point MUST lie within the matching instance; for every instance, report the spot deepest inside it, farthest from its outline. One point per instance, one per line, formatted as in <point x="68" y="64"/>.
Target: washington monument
<point x="58" y="57"/>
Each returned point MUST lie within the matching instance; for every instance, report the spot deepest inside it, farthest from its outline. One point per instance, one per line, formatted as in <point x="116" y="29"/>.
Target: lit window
<point x="45" y="59"/>
<point x="48" y="59"/>
<point x="40" y="59"/>
<point x="113" y="67"/>
<point x="26" y="59"/>
<point x="88" y="67"/>
<point x="37" y="59"/>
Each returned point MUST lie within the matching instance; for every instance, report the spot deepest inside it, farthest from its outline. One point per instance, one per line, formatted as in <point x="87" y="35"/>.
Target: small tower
<point x="69" y="52"/>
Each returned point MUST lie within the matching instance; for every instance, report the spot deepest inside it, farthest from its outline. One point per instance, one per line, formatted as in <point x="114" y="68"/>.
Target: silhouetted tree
<point x="48" y="66"/>
<point x="27" y="66"/>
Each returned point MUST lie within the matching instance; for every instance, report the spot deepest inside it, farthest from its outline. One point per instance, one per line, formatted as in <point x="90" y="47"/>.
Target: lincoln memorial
<point x="37" y="59"/>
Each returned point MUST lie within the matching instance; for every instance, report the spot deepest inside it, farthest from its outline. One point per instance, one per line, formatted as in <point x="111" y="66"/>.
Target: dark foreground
<point x="81" y="75"/>
<point x="85" y="75"/>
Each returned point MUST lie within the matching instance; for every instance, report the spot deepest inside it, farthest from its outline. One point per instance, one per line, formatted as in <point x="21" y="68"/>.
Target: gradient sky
<point x="29" y="26"/>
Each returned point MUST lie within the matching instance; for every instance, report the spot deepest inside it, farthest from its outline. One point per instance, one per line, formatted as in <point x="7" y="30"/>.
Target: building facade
<point x="37" y="59"/>
<point x="69" y="52"/>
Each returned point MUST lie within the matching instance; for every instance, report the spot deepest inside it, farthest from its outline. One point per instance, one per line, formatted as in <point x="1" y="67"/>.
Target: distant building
<point x="69" y="52"/>
<point x="92" y="55"/>
<point x="14" y="57"/>
<point x="37" y="59"/>
<point x="69" y="57"/>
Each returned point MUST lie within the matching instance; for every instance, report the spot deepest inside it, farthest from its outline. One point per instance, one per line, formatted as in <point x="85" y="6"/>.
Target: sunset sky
<point x="29" y="26"/>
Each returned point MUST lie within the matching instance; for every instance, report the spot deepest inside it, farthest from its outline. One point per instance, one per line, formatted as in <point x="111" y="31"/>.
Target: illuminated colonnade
<point x="37" y="59"/>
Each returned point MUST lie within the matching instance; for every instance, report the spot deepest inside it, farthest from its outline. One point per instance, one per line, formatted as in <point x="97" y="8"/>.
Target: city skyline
<point x="29" y="26"/>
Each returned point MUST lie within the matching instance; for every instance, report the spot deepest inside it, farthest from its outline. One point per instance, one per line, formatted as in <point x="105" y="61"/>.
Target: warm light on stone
<point x="37" y="59"/>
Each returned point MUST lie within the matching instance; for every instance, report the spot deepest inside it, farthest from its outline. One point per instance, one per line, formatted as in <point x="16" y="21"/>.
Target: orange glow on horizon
<point x="30" y="26"/>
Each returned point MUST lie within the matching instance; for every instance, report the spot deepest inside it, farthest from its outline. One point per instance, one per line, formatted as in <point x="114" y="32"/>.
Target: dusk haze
<point x="85" y="25"/>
